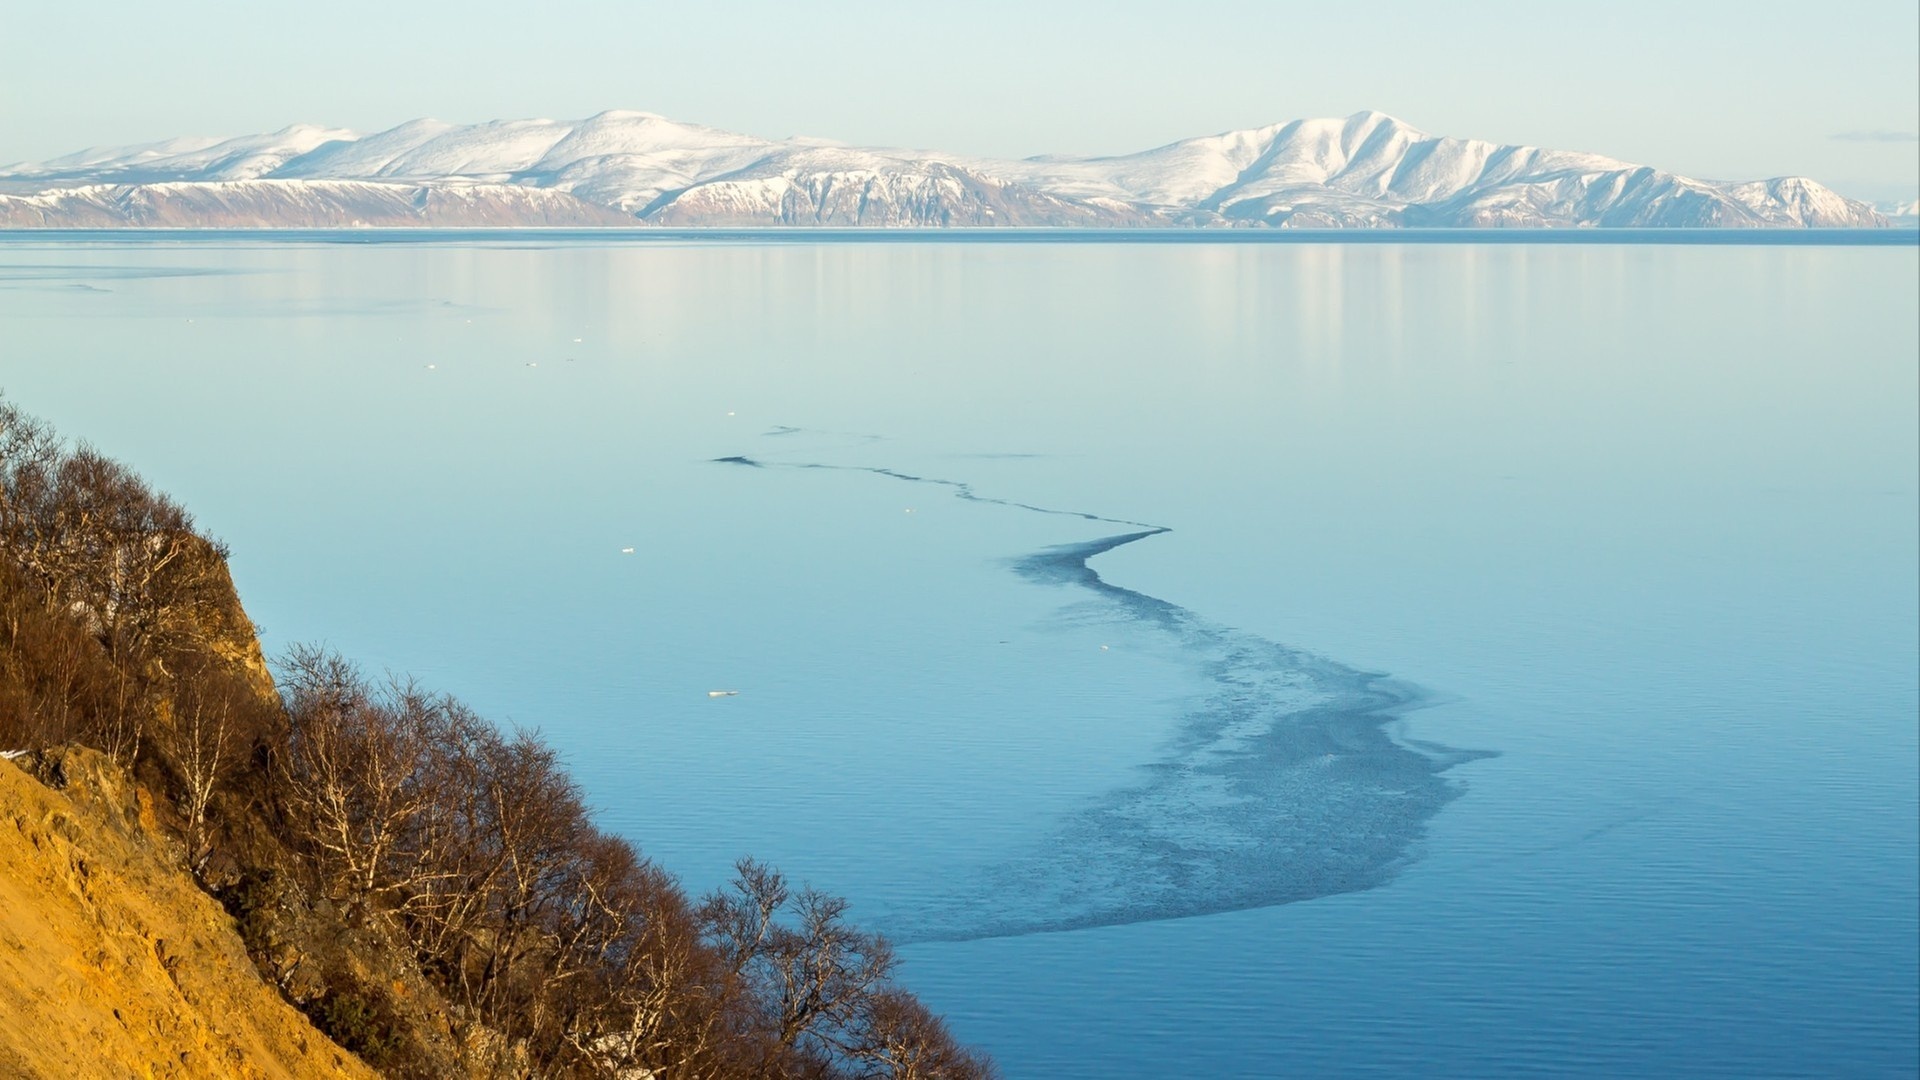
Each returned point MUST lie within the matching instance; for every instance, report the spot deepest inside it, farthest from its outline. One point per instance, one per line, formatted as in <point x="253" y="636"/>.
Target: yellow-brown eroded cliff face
<point x="113" y="962"/>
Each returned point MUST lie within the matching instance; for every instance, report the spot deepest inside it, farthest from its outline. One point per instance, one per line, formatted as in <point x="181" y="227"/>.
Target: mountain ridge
<point x="633" y="168"/>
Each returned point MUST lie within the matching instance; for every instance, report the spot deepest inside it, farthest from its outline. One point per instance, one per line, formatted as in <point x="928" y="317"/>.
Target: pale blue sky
<point x="1713" y="88"/>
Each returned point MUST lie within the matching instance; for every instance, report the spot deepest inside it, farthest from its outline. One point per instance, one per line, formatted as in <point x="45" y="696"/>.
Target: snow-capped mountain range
<point x="638" y="169"/>
<point x="1909" y="210"/>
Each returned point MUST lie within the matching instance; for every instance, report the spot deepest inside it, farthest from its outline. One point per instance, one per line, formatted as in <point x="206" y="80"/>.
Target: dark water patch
<point x="1066" y="564"/>
<point x="780" y="430"/>
<point x="965" y="491"/>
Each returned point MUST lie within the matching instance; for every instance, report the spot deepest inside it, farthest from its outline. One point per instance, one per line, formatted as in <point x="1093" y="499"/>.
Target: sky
<point x="1708" y="88"/>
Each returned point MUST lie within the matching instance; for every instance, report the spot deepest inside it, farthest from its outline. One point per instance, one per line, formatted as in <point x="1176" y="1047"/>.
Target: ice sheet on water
<point x="1282" y="781"/>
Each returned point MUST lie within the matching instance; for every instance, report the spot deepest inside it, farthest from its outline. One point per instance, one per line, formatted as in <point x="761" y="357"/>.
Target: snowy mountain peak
<point x="1368" y="120"/>
<point x="625" y="114"/>
<point x="1368" y="169"/>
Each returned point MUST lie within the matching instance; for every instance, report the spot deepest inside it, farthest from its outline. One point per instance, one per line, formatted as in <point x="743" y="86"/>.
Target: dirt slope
<point x="113" y="963"/>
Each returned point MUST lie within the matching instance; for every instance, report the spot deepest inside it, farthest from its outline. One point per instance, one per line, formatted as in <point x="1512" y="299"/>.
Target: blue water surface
<point x="1214" y="659"/>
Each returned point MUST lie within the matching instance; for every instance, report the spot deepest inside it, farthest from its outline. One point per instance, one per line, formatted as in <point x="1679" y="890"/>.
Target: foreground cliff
<point x="216" y="867"/>
<point x="113" y="960"/>
<point x="1368" y="170"/>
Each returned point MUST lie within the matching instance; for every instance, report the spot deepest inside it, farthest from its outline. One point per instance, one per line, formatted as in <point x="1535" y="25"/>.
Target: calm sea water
<point x="1228" y="660"/>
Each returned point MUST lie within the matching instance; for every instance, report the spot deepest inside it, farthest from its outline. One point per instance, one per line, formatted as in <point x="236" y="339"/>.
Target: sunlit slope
<point x="113" y="963"/>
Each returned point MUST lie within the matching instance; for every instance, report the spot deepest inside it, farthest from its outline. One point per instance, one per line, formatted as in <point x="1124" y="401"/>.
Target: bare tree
<point x="99" y="543"/>
<point x="809" y="978"/>
<point x="52" y="675"/>
<point x="118" y="726"/>
<point x="659" y="999"/>
<point x="898" y="1038"/>
<point x="353" y="771"/>
<point x="92" y="541"/>
<point x="30" y="454"/>
<point x="206" y="722"/>
<point x="526" y="831"/>
<point x="453" y="891"/>
<point x="559" y="938"/>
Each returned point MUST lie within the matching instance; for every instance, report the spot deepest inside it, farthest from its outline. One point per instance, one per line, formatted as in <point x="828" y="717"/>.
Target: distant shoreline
<point x="1892" y="236"/>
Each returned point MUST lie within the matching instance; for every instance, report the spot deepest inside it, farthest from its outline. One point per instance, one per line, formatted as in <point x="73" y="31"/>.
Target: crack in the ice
<point x="1280" y="783"/>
